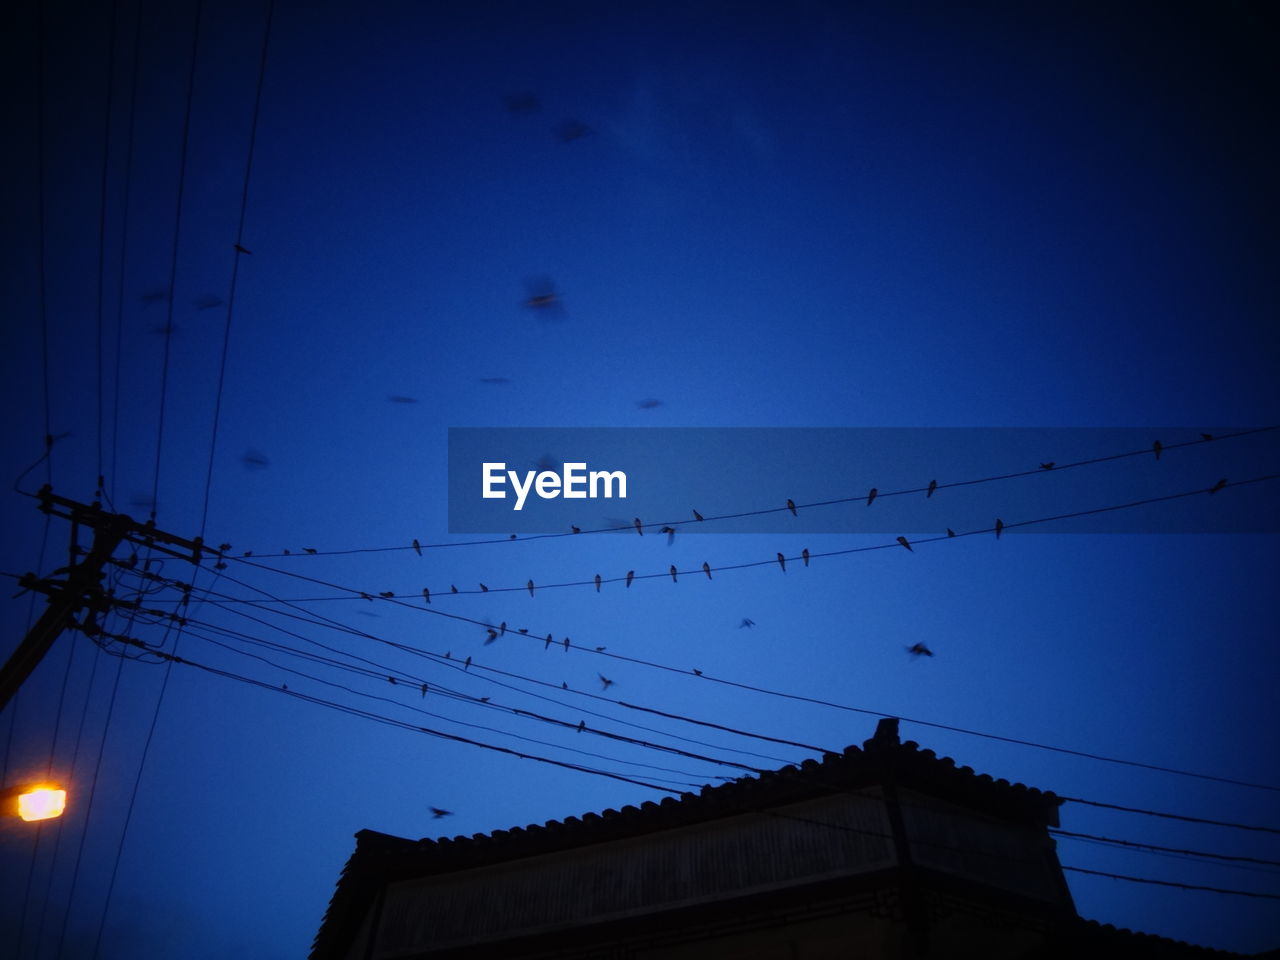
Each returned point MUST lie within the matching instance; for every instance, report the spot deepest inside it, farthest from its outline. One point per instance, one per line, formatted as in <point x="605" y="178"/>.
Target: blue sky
<point x="826" y="215"/>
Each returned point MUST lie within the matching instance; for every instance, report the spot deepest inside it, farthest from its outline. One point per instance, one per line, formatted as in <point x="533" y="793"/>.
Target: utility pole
<point x="83" y="585"/>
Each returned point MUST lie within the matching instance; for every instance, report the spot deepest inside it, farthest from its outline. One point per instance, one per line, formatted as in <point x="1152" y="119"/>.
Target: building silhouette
<point x="883" y="851"/>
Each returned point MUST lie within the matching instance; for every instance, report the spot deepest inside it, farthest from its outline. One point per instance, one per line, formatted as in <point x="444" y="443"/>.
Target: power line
<point x="767" y="511"/>
<point x="1170" y="883"/>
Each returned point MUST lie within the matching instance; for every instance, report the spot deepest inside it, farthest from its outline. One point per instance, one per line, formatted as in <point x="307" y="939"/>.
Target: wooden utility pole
<point x="83" y="586"/>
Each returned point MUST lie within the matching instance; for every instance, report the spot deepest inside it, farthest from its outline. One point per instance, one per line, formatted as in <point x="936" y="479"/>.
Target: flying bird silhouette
<point x="255" y="460"/>
<point x="543" y="298"/>
<point x="437" y="813"/>
<point x="518" y="103"/>
<point x="240" y="249"/>
<point x="919" y="650"/>
<point x="903" y="541"/>
<point x="492" y="636"/>
<point x="605" y="682"/>
<point x="746" y="622"/>
<point x="570" y="130"/>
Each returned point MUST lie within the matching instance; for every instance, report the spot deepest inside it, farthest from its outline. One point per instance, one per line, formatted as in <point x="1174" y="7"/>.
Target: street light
<point x="41" y="801"/>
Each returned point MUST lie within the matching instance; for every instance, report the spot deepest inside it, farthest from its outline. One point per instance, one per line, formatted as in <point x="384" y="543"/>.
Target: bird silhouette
<point x="582" y="725"/>
<point x="999" y="527"/>
<point x="483" y="588"/>
<point x="543" y="298"/>
<point x="495" y="381"/>
<point x="255" y="460"/>
<point x="782" y="562"/>
<point x="706" y="568"/>
<point x="697" y="515"/>
<point x="638" y="525"/>
<point x="804" y="555"/>
<point x="417" y="547"/>
<point x="919" y="650"/>
<point x="601" y="649"/>
<point x="400" y="398"/>
<point x="597" y="583"/>
<point x="903" y="541"/>
<point x="437" y="813"/>
<point x="502" y="629"/>
<point x="240" y="249"/>
<point x="933" y="485"/>
<point x="310" y="550"/>
<point x="697" y="672"/>
<point x="631" y="575"/>
<point x="950" y="532"/>
<point x="746" y="622"/>
<point x="467" y="664"/>
<point x="388" y="594"/>
<point x="673" y="573"/>
<point x="671" y="534"/>
<point x="426" y="594"/>
<point x="1218" y="486"/>
<point x="871" y="496"/>
<point x="791" y="505"/>
<point x="547" y="644"/>
<point x="1049" y="466"/>
<point x="575" y="529"/>
<point x="1156" y="448"/>
<point x="452" y="588"/>
<point x="1206" y="436"/>
<point x="568" y="131"/>
<point x="530" y="586"/>
<point x="566" y="644"/>
<point x="492" y="636"/>
<point x="605" y="682"/>
<point x="518" y="103"/>
<point x="649" y="403"/>
<point x="424" y="689"/>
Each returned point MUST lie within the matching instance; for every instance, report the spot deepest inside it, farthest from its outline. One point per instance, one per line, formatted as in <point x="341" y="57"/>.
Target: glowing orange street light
<point x="39" y="802"/>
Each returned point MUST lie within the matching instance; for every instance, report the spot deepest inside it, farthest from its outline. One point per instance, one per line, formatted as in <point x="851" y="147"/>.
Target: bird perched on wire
<point x="919" y="650"/>
<point x="597" y="583"/>
<point x="791" y="505"/>
<point x="906" y="543"/>
<point x="706" y="568"/>
<point x="804" y="555"/>
<point x="631" y="575"/>
<point x="933" y="485"/>
<point x="673" y="573"/>
<point x="638" y="525"/>
<point x="671" y="534"/>
<point x="782" y="562"/>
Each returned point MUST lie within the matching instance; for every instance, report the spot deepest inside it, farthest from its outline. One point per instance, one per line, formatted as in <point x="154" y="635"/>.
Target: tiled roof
<point x="380" y="858"/>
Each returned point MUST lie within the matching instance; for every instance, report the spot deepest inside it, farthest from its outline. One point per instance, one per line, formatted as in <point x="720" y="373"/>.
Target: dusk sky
<point x="660" y="215"/>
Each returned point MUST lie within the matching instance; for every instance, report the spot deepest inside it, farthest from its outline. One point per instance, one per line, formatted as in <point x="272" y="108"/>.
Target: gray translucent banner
<point x="739" y="480"/>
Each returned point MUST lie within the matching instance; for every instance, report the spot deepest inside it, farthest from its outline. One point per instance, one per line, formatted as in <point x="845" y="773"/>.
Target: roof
<point x="380" y="858"/>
